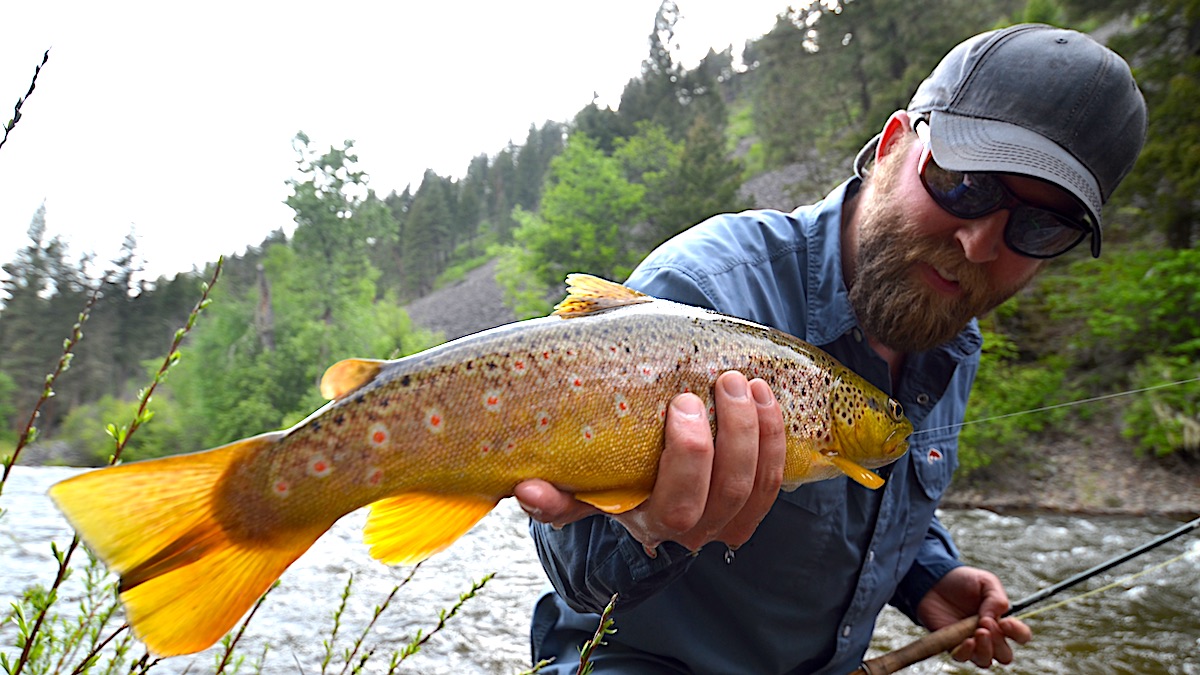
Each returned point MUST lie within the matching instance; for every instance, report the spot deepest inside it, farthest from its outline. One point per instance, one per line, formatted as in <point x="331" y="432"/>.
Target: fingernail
<point x="688" y="406"/>
<point x="533" y="512"/>
<point x="735" y="387"/>
<point x="762" y="393"/>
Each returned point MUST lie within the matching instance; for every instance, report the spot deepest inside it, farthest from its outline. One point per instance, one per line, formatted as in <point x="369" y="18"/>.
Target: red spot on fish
<point x="576" y="382"/>
<point x="510" y="446"/>
<point x="434" y="421"/>
<point x="622" y="405"/>
<point x="519" y="366"/>
<point x="378" y="435"/>
<point x="546" y="356"/>
<point x="491" y="400"/>
<point x="374" y="475"/>
<point x="319" y="466"/>
<point x="587" y="433"/>
<point x="543" y="421"/>
<point x="485" y="447"/>
<point x="282" y="487"/>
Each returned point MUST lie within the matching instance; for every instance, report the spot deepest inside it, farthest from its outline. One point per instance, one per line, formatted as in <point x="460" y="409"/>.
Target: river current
<point x="1147" y="625"/>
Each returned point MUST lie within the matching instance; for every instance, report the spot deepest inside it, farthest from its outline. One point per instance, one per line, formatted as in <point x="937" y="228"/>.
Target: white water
<point x="1151" y="625"/>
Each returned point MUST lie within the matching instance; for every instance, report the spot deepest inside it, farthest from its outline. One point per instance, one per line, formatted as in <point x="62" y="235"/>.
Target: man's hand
<point x="707" y="489"/>
<point x="968" y="591"/>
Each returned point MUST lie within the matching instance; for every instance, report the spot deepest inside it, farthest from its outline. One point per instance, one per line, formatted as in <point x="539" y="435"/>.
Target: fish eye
<point x="895" y="410"/>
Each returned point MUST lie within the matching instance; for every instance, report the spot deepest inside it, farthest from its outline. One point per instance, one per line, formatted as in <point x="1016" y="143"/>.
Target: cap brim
<point x="973" y="144"/>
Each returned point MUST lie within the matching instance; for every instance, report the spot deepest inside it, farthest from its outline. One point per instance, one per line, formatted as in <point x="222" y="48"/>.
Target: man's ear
<point x="897" y="126"/>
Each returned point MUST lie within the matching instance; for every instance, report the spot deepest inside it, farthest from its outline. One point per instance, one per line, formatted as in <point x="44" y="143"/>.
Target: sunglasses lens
<point x="1042" y="234"/>
<point x="964" y="195"/>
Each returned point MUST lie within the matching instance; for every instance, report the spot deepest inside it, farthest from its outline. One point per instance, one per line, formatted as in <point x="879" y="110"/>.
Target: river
<point x="1146" y="626"/>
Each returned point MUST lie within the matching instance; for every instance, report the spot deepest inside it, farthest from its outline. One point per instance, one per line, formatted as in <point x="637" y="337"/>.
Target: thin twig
<point x="21" y="101"/>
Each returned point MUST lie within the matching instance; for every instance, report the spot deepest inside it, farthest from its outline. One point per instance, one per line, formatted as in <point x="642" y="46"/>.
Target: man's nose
<point x="982" y="239"/>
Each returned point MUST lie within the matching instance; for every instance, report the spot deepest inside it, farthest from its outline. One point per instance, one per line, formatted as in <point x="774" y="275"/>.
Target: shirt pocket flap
<point x="934" y="463"/>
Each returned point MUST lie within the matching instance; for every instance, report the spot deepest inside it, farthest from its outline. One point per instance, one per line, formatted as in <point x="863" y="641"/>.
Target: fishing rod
<point x="949" y="637"/>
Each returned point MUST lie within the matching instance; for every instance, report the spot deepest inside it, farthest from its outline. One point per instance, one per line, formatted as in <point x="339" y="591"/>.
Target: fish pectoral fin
<point x="587" y="294"/>
<point x="618" y="500"/>
<point x="344" y="377"/>
<point x="862" y="476"/>
<point x="409" y="528"/>
<point x="185" y="580"/>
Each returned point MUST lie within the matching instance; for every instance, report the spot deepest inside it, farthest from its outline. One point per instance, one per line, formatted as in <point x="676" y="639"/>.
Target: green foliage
<point x="8" y="411"/>
<point x="1005" y="385"/>
<point x="587" y="208"/>
<point x="1163" y="45"/>
<point x="1131" y="304"/>
<point x="1165" y="419"/>
<point x="87" y="429"/>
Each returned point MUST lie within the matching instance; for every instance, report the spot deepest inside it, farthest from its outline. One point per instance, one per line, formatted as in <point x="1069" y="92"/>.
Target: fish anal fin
<point x="179" y="606"/>
<point x="617" y="500"/>
<point x="409" y="528"/>
<point x="587" y="294"/>
<point x="343" y="377"/>
<point x="858" y="474"/>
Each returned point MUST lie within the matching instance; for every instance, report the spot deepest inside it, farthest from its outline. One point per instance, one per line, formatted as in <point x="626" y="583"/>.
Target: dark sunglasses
<point x="1031" y="231"/>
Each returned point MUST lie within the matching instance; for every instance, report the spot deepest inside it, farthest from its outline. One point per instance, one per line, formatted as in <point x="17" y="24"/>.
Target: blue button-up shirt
<point x="802" y="595"/>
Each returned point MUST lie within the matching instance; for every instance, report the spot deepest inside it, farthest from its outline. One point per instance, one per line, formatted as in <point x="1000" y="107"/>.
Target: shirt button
<point x="871" y="555"/>
<point x="923" y="398"/>
<point x="846" y="630"/>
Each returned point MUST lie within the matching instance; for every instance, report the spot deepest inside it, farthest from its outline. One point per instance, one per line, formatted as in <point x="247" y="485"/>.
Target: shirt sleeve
<point x="589" y="561"/>
<point x="936" y="557"/>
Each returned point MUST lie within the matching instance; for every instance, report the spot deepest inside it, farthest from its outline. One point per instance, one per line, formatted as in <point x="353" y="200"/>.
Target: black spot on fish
<point x="315" y="426"/>
<point x="383" y="402"/>
<point x="339" y="420"/>
<point x="405" y="381"/>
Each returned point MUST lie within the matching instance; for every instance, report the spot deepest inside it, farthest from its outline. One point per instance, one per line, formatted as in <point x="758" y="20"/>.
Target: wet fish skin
<point x="434" y="440"/>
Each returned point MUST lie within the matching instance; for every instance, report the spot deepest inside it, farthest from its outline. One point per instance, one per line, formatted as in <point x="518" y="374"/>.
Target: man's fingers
<point x="734" y="462"/>
<point x="772" y="453"/>
<point x="684" y="471"/>
<point x="547" y="504"/>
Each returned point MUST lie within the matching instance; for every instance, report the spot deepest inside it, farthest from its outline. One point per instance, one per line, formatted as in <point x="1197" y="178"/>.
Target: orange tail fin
<point x="184" y="581"/>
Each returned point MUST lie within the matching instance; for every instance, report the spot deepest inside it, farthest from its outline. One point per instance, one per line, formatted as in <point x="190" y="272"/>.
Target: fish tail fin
<point x="185" y="580"/>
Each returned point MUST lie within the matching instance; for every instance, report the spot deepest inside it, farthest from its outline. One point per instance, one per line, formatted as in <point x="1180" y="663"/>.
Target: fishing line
<point x="1101" y="589"/>
<point x="1060" y="405"/>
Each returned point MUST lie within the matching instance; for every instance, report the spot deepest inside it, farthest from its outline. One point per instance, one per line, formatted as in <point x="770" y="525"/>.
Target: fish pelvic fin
<point x="408" y="528"/>
<point x="184" y="581"/>
<point x="863" y="476"/>
<point x="587" y="294"/>
<point x="344" y="377"/>
<point x="615" y="501"/>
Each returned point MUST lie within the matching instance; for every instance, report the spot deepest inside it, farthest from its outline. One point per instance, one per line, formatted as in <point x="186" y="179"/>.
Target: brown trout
<point x="434" y="440"/>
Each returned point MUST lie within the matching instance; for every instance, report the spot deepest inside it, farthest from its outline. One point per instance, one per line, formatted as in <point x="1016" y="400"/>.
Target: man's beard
<point x="892" y="303"/>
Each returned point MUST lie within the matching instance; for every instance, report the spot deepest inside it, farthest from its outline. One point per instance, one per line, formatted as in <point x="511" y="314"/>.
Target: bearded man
<point x="1003" y="159"/>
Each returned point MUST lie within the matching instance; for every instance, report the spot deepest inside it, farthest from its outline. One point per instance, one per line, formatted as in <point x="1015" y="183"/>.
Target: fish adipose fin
<point x="344" y="377"/>
<point x="407" y="529"/>
<point x="858" y="474"/>
<point x="614" y="501"/>
<point x="184" y="581"/>
<point x="587" y="294"/>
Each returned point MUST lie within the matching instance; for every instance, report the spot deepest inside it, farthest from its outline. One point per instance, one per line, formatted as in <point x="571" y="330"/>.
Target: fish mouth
<point x="897" y="442"/>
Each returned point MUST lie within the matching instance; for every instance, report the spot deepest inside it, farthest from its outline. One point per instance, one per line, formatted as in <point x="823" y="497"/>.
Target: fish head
<point x="869" y="427"/>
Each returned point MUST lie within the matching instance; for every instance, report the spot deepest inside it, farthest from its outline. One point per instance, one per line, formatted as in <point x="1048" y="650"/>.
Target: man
<point x="1002" y="160"/>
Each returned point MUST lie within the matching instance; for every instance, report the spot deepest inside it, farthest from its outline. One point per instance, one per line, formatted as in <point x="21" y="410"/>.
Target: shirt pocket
<point x="934" y="462"/>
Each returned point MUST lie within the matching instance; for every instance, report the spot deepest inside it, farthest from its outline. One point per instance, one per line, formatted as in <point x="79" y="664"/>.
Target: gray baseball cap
<point x="1038" y="101"/>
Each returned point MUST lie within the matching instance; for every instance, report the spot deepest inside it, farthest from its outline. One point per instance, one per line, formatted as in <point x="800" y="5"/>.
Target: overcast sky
<point x="176" y="121"/>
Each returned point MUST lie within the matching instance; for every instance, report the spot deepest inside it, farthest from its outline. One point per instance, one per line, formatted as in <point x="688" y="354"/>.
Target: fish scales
<point x="434" y="440"/>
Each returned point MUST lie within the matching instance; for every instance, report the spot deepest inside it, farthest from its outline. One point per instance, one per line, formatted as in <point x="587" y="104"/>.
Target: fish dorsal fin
<point x="409" y="528"/>
<point x="344" y="377"/>
<point x="858" y="474"/>
<point x="587" y="294"/>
